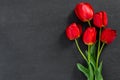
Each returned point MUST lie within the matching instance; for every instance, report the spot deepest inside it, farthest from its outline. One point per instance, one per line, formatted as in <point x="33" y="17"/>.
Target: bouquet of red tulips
<point x="85" y="13"/>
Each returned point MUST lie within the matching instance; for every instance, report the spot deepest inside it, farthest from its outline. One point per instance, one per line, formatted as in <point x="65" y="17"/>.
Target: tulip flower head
<point x="89" y="36"/>
<point x="84" y="11"/>
<point x="73" y="31"/>
<point x="108" y="35"/>
<point x="100" y="19"/>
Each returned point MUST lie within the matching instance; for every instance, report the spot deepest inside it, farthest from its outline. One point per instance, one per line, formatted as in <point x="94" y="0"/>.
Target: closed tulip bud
<point x="84" y="11"/>
<point x="73" y="31"/>
<point x="108" y="35"/>
<point x="89" y="36"/>
<point x="100" y="19"/>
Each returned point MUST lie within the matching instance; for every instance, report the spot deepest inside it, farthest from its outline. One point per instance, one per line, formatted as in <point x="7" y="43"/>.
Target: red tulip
<point x="84" y="11"/>
<point x="73" y="31"/>
<point x="100" y="19"/>
<point x="89" y="36"/>
<point x="108" y="35"/>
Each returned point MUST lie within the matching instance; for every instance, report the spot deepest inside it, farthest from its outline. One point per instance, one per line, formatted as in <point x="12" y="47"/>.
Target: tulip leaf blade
<point x="83" y="69"/>
<point x="93" y="50"/>
<point x="92" y="61"/>
<point x="91" y="72"/>
<point x="100" y="66"/>
<point x="98" y="72"/>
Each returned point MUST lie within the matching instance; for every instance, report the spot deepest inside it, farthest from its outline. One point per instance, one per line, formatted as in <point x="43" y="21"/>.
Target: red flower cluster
<point x="85" y="13"/>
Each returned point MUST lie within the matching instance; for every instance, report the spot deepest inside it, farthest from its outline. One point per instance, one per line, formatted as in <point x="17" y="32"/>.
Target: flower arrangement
<point x="85" y="13"/>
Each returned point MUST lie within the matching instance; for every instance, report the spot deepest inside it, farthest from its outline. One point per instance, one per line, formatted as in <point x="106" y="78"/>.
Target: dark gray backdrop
<point x="33" y="45"/>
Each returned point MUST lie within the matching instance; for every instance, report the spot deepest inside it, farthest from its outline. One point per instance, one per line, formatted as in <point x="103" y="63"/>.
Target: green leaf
<point x="91" y="72"/>
<point x="100" y="67"/>
<point x="93" y="54"/>
<point x="93" y="49"/>
<point x="98" y="73"/>
<point x="83" y="69"/>
<point x="92" y="61"/>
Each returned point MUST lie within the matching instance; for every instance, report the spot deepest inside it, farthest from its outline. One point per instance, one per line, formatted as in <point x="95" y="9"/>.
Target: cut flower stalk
<point x="80" y="51"/>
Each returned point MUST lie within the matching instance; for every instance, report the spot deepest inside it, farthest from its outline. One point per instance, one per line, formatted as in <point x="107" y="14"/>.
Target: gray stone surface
<point x="33" y="45"/>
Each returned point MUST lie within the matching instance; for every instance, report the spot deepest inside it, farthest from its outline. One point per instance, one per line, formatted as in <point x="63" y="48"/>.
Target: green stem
<point x="98" y="55"/>
<point x="89" y="54"/>
<point x="102" y="47"/>
<point x="98" y="51"/>
<point x="99" y="40"/>
<point x="89" y="23"/>
<point x="80" y="51"/>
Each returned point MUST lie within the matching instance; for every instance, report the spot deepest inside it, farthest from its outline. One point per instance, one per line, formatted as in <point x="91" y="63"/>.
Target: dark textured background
<point x="33" y="45"/>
